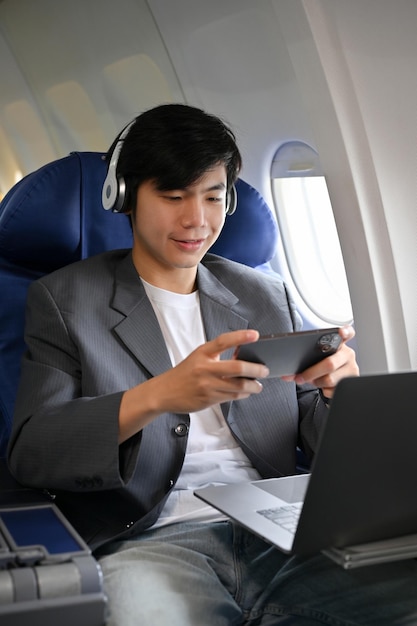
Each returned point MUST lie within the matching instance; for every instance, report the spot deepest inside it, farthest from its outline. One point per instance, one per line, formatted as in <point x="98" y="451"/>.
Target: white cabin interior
<point x="338" y="75"/>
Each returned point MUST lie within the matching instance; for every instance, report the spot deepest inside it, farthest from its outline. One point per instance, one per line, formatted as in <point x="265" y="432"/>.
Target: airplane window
<point x="28" y="139"/>
<point x="309" y="233"/>
<point x="9" y="166"/>
<point x="76" y="117"/>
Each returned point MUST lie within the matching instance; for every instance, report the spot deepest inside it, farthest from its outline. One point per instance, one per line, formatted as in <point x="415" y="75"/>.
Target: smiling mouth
<point x="189" y="242"/>
<point x="190" y="246"/>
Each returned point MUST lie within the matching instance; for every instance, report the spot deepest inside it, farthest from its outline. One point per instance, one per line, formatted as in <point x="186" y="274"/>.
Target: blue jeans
<point x="219" y="574"/>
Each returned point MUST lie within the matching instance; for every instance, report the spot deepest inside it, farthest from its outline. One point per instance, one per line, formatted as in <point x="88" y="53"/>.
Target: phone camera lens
<point x="325" y="339"/>
<point x="327" y="342"/>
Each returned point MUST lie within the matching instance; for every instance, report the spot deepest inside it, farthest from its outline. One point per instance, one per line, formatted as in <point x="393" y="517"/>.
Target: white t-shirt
<point x="213" y="456"/>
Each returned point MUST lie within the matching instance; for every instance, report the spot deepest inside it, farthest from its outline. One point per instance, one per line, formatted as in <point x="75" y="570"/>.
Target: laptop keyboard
<point x="284" y="516"/>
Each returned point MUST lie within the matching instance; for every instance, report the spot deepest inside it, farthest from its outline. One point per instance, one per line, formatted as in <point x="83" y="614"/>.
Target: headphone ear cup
<point x="110" y="191"/>
<point x="120" y="204"/>
<point x="113" y="194"/>
<point x="231" y="204"/>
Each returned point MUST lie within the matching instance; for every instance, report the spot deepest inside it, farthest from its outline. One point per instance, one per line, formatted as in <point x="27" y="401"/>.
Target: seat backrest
<point x="54" y="217"/>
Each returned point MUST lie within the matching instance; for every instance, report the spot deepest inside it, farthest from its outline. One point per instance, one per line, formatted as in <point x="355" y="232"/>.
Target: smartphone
<point x="291" y="353"/>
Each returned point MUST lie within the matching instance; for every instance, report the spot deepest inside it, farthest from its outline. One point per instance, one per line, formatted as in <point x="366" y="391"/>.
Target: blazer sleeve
<point x="53" y="424"/>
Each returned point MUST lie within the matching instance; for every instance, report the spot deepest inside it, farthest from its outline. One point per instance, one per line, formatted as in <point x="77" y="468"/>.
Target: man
<point x="131" y="397"/>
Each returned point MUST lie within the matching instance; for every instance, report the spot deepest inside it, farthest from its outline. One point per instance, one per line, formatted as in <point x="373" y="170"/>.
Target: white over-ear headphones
<point x="113" y="195"/>
<point x="231" y="202"/>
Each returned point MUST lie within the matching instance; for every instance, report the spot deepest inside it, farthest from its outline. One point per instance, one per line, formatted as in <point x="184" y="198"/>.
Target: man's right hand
<point x="199" y="381"/>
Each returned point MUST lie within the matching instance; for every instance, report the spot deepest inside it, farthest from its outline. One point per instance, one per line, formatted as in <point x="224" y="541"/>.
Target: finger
<point x="347" y="333"/>
<point x="236" y="368"/>
<point x="225" y="341"/>
<point x="339" y="365"/>
<point x="325" y="367"/>
<point x="240" y="387"/>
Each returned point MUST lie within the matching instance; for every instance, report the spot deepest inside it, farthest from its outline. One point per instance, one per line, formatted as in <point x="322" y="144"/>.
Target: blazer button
<point x="181" y="430"/>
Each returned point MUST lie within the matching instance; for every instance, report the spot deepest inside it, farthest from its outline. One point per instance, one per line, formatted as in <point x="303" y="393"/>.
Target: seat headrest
<point x="54" y="216"/>
<point x="250" y="235"/>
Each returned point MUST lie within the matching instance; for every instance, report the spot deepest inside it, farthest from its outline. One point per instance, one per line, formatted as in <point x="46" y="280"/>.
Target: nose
<point x="193" y="213"/>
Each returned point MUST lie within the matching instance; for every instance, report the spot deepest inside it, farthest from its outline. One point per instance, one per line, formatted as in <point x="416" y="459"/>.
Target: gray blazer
<point x="92" y="334"/>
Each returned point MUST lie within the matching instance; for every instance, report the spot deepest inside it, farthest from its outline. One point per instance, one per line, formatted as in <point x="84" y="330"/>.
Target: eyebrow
<point x="218" y="187"/>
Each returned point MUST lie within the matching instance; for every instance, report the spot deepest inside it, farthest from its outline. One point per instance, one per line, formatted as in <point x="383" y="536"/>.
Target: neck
<point x="177" y="280"/>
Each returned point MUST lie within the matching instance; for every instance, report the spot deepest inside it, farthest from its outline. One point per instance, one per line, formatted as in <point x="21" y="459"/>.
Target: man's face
<point x="174" y="229"/>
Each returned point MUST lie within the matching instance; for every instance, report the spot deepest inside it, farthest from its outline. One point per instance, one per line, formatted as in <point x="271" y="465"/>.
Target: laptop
<point x="363" y="482"/>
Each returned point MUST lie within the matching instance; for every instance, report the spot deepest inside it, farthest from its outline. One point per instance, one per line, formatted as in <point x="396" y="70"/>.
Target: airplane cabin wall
<point x="355" y="63"/>
<point x="336" y="74"/>
<point x="73" y="74"/>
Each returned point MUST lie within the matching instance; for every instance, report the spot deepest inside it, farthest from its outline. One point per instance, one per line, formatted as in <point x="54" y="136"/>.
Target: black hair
<point x="174" y="145"/>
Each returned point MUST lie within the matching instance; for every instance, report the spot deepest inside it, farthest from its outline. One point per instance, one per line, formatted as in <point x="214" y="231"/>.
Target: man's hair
<point x="174" y="145"/>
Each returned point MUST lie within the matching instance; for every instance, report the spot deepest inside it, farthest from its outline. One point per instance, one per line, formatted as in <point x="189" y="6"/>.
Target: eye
<point x="216" y="199"/>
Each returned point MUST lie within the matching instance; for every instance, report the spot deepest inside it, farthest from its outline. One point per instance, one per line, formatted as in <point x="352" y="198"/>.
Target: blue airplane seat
<point x="54" y="217"/>
<point x="49" y="219"/>
<point x="250" y="234"/>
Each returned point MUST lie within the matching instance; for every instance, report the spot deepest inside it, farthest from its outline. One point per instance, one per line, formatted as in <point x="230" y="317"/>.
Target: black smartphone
<point x="291" y="353"/>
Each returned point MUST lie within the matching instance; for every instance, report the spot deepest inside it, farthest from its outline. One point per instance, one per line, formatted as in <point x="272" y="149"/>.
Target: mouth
<point x="189" y="244"/>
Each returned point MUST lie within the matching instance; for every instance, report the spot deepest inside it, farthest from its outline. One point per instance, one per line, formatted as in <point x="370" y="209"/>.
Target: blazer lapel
<point x="216" y="306"/>
<point x="139" y="330"/>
